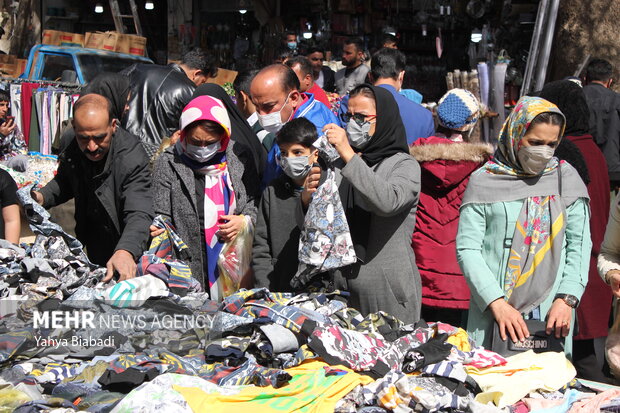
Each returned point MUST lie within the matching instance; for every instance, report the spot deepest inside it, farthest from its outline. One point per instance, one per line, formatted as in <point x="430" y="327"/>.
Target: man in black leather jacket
<point x="159" y="94"/>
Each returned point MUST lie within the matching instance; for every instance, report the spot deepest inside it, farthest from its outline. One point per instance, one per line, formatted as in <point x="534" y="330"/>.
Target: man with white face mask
<point x="275" y="93"/>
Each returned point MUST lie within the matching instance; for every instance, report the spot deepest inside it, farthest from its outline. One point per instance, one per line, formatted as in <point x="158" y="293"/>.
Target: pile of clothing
<point x="68" y="342"/>
<point x="38" y="168"/>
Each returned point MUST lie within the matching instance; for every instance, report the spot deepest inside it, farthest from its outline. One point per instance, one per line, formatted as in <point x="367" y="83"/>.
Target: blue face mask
<point x="292" y="45"/>
<point x="202" y="153"/>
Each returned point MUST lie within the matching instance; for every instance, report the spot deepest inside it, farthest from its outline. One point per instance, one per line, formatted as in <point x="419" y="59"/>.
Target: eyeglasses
<point x="358" y="117"/>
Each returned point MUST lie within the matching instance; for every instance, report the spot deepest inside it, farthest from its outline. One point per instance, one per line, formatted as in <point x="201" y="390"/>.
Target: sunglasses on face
<point x="358" y="117"/>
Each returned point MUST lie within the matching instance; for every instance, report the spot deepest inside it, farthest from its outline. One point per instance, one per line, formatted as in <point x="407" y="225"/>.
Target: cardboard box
<point x="94" y="40"/>
<point x="72" y="39"/>
<point x="137" y="45"/>
<point x="51" y="37"/>
<point x="223" y="76"/>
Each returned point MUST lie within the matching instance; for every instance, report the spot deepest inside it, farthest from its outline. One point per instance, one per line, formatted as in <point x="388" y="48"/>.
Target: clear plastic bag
<point x="234" y="262"/>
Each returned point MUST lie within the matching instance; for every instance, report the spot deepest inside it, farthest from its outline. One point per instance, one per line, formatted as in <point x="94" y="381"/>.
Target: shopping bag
<point x="235" y="259"/>
<point x="325" y="242"/>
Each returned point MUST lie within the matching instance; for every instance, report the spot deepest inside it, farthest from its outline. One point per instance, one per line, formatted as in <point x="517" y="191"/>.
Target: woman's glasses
<point x="358" y="117"/>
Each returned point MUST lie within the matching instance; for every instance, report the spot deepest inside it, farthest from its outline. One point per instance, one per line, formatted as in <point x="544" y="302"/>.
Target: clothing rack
<point x="64" y="85"/>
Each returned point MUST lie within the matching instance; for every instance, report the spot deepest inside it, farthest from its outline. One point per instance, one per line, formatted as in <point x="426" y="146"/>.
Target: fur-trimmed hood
<point x="457" y="151"/>
<point x="445" y="164"/>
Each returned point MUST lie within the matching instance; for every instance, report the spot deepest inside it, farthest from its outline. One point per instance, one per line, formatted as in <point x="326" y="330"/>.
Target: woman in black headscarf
<point x="379" y="188"/>
<point x="113" y="86"/>
<point x="241" y="130"/>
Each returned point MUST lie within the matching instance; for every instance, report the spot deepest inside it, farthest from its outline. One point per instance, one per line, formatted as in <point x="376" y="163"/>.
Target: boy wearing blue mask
<point x="276" y="241"/>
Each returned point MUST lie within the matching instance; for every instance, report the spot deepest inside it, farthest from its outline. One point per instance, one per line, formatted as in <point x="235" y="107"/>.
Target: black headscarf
<point x="389" y="139"/>
<point x="241" y="130"/>
<point x="113" y="86"/>
<point x="570" y="99"/>
<point x="390" y="136"/>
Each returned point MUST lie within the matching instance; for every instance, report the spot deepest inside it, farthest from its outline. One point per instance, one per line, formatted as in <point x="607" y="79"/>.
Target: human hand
<point x="123" y="262"/>
<point x="175" y="137"/>
<point x="559" y="318"/>
<point x="338" y="137"/>
<point x="229" y="230"/>
<point x="310" y="185"/>
<point x="37" y="196"/>
<point x="509" y="320"/>
<point x="155" y="231"/>
<point x="613" y="279"/>
<point x="7" y="127"/>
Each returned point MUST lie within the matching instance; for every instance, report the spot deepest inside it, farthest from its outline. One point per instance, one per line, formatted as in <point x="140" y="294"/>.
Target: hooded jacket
<point x="446" y="167"/>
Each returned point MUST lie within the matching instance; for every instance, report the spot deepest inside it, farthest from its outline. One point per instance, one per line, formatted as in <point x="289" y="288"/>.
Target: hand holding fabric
<point x="560" y="316"/>
<point x="123" y="262"/>
<point x="509" y="319"/>
<point x="338" y="137"/>
<point x="229" y="230"/>
<point x="310" y="186"/>
<point x="156" y="231"/>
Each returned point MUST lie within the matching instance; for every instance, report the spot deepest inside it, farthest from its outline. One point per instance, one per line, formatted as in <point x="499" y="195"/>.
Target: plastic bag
<point x="234" y="262"/>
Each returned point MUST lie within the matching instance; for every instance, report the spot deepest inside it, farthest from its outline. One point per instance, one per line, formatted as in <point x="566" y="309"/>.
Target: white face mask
<point x="534" y="159"/>
<point x="202" y="153"/>
<point x="272" y="122"/>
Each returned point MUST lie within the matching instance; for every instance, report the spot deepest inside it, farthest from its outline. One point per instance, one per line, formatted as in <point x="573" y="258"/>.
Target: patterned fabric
<point x="219" y="194"/>
<point x="135" y="291"/>
<point x="481" y="358"/>
<point x="166" y="258"/>
<point x="13" y="144"/>
<point x="325" y="242"/>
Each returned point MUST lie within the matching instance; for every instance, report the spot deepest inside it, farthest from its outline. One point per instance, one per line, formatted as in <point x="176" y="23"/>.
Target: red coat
<point x="595" y="305"/>
<point x="319" y="94"/>
<point x="446" y="167"/>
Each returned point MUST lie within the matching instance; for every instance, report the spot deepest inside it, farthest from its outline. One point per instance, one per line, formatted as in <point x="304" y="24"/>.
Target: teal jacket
<point x="483" y="246"/>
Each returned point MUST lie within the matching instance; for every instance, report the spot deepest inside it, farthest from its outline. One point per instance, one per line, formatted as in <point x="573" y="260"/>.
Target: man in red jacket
<point x="447" y="160"/>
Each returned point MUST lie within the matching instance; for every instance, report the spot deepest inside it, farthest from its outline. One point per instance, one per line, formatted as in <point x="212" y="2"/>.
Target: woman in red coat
<point x="447" y="160"/>
<point x="594" y="309"/>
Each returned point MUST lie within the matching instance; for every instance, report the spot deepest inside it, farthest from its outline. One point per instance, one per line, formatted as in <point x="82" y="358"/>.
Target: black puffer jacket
<point x="158" y="96"/>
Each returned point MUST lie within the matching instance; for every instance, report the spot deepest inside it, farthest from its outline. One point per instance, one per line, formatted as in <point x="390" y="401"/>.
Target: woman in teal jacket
<point x="524" y="241"/>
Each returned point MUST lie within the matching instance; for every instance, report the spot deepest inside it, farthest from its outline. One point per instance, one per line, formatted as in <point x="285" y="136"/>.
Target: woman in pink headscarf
<point x="207" y="185"/>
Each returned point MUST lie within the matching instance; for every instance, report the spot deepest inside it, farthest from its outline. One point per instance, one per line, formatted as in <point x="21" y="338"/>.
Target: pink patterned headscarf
<point x="206" y="108"/>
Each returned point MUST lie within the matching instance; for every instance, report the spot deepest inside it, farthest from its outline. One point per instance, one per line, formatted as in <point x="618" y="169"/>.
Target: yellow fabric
<point x="524" y="373"/>
<point x="11" y="398"/>
<point x="460" y="339"/>
<point x="308" y="391"/>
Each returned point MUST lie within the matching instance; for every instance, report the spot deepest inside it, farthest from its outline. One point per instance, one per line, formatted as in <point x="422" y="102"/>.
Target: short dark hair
<point x="387" y="63"/>
<point x="548" y="118"/>
<point x="198" y="60"/>
<point x="4" y="96"/>
<point x="304" y="64"/>
<point x="243" y="81"/>
<point x="283" y="53"/>
<point x="95" y="100"/>
<point x="359" y="44"/>
<point x="300" y="131"/>
<point x="387" y="38"/>
<point x="288" y="33"/>
<point x="314" y="49"/>
<point x="600" y="70"/>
